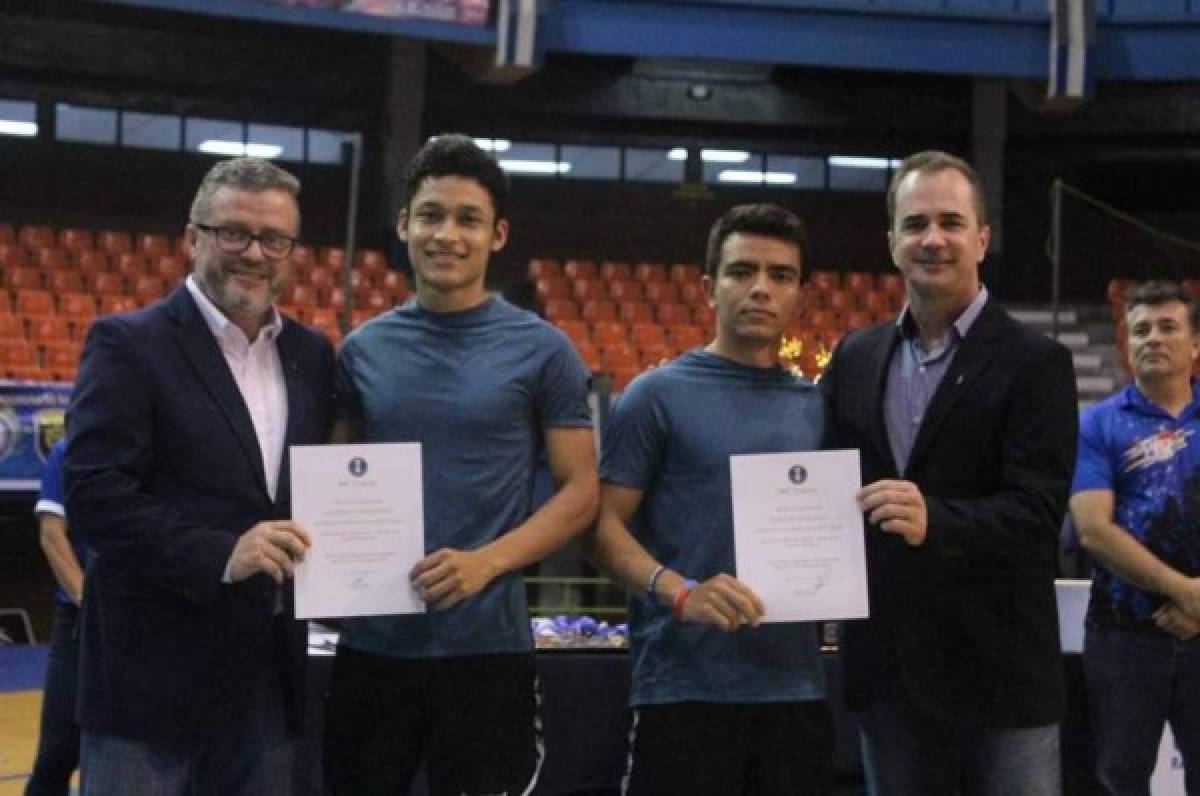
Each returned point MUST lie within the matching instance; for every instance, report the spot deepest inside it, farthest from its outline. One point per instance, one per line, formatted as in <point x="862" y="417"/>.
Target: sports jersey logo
<point x="1155" y="449"/>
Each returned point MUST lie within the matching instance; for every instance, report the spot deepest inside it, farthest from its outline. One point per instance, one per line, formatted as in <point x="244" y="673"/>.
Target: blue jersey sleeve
<point x="1093" y="463"/>
<point x="633" y="441"/>
<point x="51" y="497"/>
<point x="562" y="390"/>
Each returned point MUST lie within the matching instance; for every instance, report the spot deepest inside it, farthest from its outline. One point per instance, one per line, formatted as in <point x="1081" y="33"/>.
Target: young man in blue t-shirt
<point x="487" y="389"/>
<point x="723" y="704"/>
<point x="58" y="739"/>
<point x="1136" y="502"/>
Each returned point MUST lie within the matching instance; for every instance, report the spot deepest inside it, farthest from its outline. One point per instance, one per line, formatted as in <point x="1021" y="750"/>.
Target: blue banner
<point x="465" y="12"/>
<point x="31" y="421"/>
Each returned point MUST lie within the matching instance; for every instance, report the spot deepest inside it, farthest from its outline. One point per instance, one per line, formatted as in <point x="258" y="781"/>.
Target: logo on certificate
<point x="798" y="474"/>
<point x="357" y="467"/>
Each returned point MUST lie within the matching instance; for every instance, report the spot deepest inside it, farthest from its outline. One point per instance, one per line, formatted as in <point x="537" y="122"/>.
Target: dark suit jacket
<point x="163" y="474"/>
<point x="965" y="624"/>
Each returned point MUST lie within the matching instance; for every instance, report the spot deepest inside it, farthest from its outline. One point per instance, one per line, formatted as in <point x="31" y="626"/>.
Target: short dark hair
<point x="1157" y="292"/>
<point x="457" y="155"/>
<point x="932" y="161"/>
<point x="768" y="220"/>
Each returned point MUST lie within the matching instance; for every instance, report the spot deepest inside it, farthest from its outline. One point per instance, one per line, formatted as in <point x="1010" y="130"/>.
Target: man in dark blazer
<point x="965" y="420"/>
<point x="177" y="476"/>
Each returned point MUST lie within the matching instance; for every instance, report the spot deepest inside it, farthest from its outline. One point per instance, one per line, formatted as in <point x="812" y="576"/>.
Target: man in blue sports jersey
<point x="58" y="737"/>
<point x="722" y="705"/>
<point x="487" y="389"/>
<point x="1136" y="502"/>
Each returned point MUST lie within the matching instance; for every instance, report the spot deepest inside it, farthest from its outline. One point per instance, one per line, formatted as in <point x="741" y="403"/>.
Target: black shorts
<point x="709" y="749"/>
<point x="473" y="720"/>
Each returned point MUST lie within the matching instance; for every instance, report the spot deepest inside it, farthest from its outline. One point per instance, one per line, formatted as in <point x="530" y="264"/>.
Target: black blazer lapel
<point x="204" y="353"/>
<point x="879" y="363"/>
<point x="974" y="354"/>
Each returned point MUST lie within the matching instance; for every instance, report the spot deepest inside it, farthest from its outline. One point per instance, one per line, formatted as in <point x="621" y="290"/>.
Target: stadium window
<point x="528" y="159"/>
<point x="592" y="162"/>
<point x="857" y="173"/>
<point x="214" y="137"/>
<point x="18" y="117"/>
<point x="325" y="146"/>
<point x="731" y="167"/>
<point x="89" y="125"/>
<point x="653" y="165"/>
<point x="284" y="143"/>
<point x="806" y="173"/>
<point x="150" y="130"/>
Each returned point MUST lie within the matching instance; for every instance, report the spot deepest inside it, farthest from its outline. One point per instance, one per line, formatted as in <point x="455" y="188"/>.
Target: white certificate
<point x="798" y="533"/>
<point x="362" y="506"/>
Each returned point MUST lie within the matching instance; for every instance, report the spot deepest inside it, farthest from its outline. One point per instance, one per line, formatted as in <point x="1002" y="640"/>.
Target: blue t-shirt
<point x="670" y="436"/>
<point x="1151" y="463"/>
<point x="51" y="499"/>
<point x="477" y="389"/>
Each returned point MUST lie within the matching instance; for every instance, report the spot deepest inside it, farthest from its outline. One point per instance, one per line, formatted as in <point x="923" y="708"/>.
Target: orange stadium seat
<point x="891" y="283"/>
<point x="148" y="288"/>
<point x="580" y="269"/>
<point x="541" y="267"/>
<point x="859" y="319"/>
<point x="584" y="290"/>
<point x="130" y="265"/>
<point x="686" y="273"/>
<point x="824" y="280"/>
<point x="378" y="300"/>
<point x="644" y="334"/>
<point x="114" y="241"/>
<point x="371" y="261"/>
<point x="838" y="300"/>
<point x="573" y="328"/>
<point x="76" y="240"/>
<point x="64" y="281"/>
<point x="549" y="287"/>
<point x="615" y="271"/>
<point x="618" y="354"/>
<point x="606" y="333"/>
<point x="650" y="272"/>
<point x="61" y="354"/>
<point x="692" y="293"/>
<point x="36" y="236"/>
<point x="393" y="281"/>
<point x="673" y="313"/>
<point x="13" y="256"/>
<point x="22" y="277"/>
<point x="107" y="283"/>
<point x="332" y="257"/>
<point x="560" y="309"/>
<point x="170" y="268"/>
<point x="656" y="353"/>
<point x="684" y="336"/>
<point x="704" y="316"/>
<point x="7" y="233"/>
<point x="597" y="310"/>
<point x="300" y="295"/>
<point x="52" y="258"/>
<point x="590" y="355"/>
<point x="11" y="326"/>
<point x="28" y="373"/>
<point x="302" y="256"/>
<point x="34" y="302"/>
<point x="321" y="278"/>
<point x="821" y="319"/>
<point x="77" y="306"/>
<point x="859" y="282"/>
<point x="154" y="246"/>
<point x="92" y="260"/>
<point x="18" y="352"/>
<point x="622" y="290"/>
<point x="662" y="292"/>
<point x="111" y="303"/>
<point x="6" y="306"/>
<point x="43" y="328"/>
<point x="635" y="311"/>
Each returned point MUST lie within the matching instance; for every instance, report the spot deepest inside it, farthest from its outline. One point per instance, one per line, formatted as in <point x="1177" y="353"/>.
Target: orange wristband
<point x="681" y="597"/>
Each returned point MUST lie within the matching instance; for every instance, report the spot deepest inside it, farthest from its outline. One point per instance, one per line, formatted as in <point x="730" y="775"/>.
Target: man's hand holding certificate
<point x="798" y="534"/>
<point x="362" y="506"/>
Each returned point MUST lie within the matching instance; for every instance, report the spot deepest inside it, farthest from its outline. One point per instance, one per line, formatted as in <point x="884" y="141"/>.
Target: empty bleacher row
<point x="53" y="283"/>
<point x="625" y="318"/>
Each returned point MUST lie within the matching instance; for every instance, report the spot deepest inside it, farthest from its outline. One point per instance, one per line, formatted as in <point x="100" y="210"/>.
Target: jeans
<point x="1138" y="681"/>
<point x="250" y="756"/>
<point x="906" y="753"/>
<point x="58" y="739"/>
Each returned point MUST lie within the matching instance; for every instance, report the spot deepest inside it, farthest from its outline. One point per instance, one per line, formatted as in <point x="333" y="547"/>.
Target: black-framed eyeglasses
<point x="235" y="240"/>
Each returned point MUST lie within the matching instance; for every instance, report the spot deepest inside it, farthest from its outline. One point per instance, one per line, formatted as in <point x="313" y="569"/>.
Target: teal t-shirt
<point x="671" y="435"/>
<point x="477" y="389"/>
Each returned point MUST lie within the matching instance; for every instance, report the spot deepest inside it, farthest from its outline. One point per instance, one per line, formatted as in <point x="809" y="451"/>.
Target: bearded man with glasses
<point x="177" y="475"/>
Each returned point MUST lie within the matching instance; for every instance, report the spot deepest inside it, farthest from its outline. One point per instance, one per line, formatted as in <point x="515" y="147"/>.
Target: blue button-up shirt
<point x="914" y="374"/>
